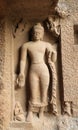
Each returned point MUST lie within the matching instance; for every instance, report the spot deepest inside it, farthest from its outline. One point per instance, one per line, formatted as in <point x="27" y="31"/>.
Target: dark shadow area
<point x="60" y="76"/>
<point x="17" y="70"/>
<point x="27" y="82"/>
<point x="75" y="34"/>
<point x="30" y="34"/>
<point x="50" y="90"/>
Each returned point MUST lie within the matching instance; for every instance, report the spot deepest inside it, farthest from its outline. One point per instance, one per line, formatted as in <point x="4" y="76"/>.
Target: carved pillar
<point x="5" y="75"/>
<point x="69" y="65"/>
<point x="2" y="60"/>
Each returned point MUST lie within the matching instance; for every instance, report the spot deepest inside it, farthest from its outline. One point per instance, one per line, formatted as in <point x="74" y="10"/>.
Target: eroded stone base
<point x="48" y="123"/>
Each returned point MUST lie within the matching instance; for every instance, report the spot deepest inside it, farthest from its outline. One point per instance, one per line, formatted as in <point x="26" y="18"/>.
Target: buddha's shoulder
<point x="47" y="44"/>
<point x="26" y="44"/>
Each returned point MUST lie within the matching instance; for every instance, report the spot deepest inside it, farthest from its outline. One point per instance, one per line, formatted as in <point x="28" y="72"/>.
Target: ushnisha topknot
<point x="38" y="26"/>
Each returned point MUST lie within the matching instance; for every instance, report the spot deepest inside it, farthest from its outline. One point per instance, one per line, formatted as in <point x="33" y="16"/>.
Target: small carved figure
<point x="67" y="108"/>
<point x="38" y="74"/>
<point x="18" y="112"/>
<point x="53" y="26"/>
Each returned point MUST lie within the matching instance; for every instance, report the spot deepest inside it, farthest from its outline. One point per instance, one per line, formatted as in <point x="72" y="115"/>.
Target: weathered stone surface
<point x="52" y="123"/>
<point x="61" y="30"/>
<point x="70" y="57"/>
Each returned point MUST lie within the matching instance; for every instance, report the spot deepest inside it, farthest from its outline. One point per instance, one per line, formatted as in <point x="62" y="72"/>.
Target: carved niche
<point x="36" y="77"/>
<point x="36" y="68"/>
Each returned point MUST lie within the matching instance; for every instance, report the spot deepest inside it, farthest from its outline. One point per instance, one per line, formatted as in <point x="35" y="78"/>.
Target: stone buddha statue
<point x="39" y="76"/>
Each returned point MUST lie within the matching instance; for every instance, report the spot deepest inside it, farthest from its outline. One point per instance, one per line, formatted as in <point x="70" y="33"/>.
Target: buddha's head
<point x="37" y="32"/>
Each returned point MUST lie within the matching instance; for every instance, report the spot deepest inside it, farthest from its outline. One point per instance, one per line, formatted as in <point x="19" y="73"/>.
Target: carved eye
<point x="37" y="33"/>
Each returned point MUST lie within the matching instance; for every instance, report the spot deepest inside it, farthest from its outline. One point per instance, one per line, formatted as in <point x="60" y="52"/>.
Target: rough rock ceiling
<point x="30" y="8"/>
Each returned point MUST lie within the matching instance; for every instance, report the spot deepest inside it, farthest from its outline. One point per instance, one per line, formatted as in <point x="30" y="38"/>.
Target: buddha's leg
<point x="44" y="90"/>
<point x="34" y="84"/>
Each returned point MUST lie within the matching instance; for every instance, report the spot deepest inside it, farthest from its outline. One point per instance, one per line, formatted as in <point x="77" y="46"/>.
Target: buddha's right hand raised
<point x="21" y="80"/>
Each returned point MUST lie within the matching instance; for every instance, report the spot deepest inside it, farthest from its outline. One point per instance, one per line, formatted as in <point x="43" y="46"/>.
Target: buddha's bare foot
<point x="41" y="116"/>
<point x="29" y="116"/>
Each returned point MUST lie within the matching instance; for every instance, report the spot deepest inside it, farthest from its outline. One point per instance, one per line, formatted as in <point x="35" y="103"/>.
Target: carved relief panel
<point x="36" y="80"/>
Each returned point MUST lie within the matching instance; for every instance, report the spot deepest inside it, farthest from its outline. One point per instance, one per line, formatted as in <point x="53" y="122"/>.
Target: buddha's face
<point x="38" y="34"/>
